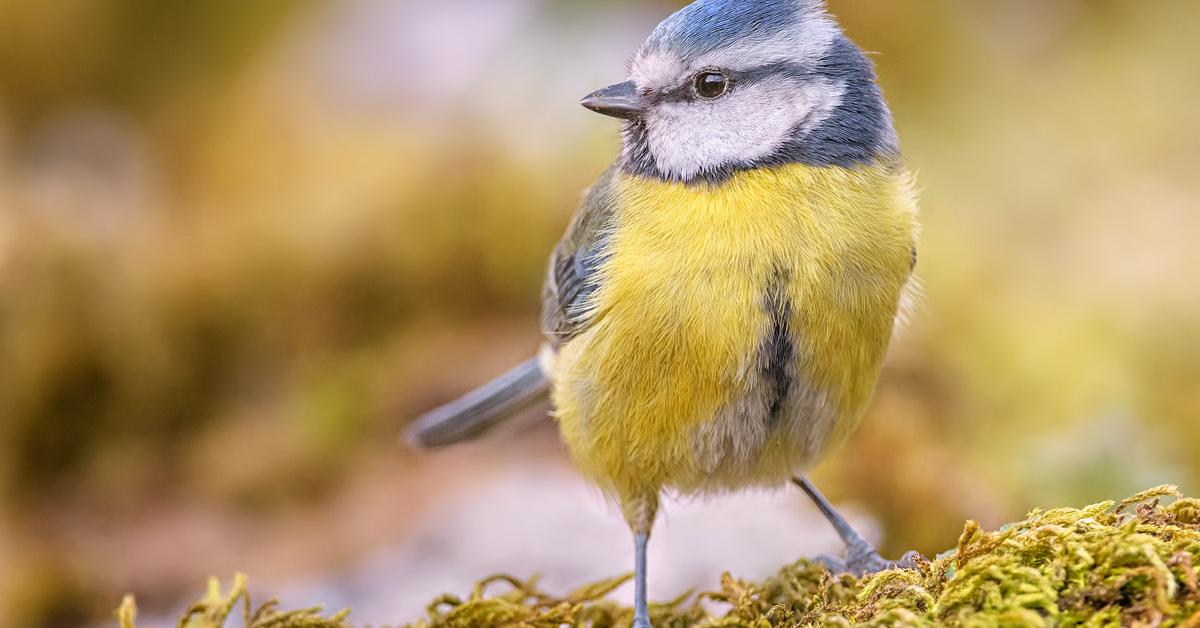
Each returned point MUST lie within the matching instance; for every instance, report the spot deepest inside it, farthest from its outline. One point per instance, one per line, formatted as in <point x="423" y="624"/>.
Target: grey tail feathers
<point x="481" y="409"/>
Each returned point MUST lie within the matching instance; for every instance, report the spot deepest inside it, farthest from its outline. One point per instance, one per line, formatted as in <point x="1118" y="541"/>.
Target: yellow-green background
<point x="235" y="257"/>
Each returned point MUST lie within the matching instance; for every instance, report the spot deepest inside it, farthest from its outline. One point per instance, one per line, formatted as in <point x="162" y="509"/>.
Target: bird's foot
<point x="865" y="561"/>
<point x="861" y="557"/>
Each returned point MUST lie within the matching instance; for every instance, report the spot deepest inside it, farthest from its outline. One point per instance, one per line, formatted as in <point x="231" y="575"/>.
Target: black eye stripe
<point x="858" y="130"/>
<point x="783" y="68"/>
<point x="737" y="78"/>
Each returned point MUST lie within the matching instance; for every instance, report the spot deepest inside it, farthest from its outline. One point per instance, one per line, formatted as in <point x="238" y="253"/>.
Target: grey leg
<point x="861" y="557"/>
<point x="641" y="606"/>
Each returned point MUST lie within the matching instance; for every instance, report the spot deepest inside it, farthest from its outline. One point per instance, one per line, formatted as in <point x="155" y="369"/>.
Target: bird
<point x="717" y="314"/>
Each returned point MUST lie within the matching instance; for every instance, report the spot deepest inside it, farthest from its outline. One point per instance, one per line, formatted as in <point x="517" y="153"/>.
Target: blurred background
<point x="242" y="243"/>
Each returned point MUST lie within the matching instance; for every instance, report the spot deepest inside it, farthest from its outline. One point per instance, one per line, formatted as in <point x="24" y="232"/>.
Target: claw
<point x="861" y="557"/>
<point x="869" y="564"/>
<point x="912" y="560"/>
<point x="865" y="564"/>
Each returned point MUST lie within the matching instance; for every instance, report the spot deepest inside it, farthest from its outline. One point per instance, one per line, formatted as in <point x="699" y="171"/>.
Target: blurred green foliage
<point x="133" y="54"/>
<point x="208" y="238"/>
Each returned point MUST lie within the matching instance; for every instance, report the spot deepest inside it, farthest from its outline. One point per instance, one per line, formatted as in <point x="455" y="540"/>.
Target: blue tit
<point x="718" y="312"/>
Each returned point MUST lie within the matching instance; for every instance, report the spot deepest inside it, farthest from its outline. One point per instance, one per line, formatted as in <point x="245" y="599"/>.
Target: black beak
<point x="619" y="101"/>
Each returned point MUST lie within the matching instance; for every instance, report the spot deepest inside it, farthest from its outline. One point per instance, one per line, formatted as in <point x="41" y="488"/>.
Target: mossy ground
<point x="1132" y="563"/>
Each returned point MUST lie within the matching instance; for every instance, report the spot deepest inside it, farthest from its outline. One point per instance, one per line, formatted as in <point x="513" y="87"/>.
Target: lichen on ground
<point x="1109" y="564"/>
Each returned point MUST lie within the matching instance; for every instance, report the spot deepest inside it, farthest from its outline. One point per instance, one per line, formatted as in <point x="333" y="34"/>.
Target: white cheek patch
<point x="752" y="122"/>
<point x="821" y="97"/>
<point x="755" y="119"/>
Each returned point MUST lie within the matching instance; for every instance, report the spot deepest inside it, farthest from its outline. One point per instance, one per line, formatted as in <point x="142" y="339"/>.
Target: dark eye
<point x="711" y="84"/>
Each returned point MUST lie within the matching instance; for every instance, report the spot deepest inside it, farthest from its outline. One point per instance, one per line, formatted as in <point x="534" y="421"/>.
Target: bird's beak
<point x="619" y="101"/>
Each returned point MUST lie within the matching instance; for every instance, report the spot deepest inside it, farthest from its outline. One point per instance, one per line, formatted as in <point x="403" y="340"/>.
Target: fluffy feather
<point x="719" y="309"/>
<point x="666" y="387"/>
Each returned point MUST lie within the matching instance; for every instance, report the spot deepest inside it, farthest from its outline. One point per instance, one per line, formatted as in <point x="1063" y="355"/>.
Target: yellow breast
<point x="658" y="391"/>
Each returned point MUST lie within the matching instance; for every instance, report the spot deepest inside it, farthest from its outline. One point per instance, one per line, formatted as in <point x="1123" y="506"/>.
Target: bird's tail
<point x="481" y="409"/>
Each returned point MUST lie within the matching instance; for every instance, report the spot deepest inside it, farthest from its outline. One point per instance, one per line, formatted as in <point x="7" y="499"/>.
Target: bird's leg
<point x="641" y="606"/>
<point x="861" y="557"/>
<point x="640" y="512"/>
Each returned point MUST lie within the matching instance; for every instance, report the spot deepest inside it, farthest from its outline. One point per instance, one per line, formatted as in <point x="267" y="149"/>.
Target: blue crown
<point x="706" y="25"/>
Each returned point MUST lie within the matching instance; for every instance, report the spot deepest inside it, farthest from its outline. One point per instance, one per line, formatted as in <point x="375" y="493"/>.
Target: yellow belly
<point x="660" y="391"/>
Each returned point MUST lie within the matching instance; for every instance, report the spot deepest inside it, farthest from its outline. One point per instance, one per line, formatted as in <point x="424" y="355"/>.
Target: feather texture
<point x="674" y="383"/>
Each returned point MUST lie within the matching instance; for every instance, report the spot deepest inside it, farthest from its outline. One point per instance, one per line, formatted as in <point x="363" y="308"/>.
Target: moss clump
<point x="216" y="607"/>
<point x="1128" y="563"/>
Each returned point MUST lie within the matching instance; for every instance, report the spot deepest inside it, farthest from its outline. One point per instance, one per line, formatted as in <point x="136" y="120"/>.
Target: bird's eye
<point x="711" y="84"/>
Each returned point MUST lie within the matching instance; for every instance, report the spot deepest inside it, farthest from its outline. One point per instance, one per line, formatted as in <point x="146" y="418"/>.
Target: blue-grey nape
<point x="859" y="130"/>
<point x="707" y="25"/>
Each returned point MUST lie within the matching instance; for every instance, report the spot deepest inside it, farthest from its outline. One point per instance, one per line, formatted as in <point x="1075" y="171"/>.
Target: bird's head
<point x="729" y="85"/>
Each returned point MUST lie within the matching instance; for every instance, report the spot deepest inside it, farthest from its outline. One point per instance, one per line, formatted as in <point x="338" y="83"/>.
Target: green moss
<point x="216" y="607"/>
<point x="1128" y="563"/>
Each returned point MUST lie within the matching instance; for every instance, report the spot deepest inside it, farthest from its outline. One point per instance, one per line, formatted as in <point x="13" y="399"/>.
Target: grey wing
<point x="569" y="282"/>
<point x="571" y="278"/>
